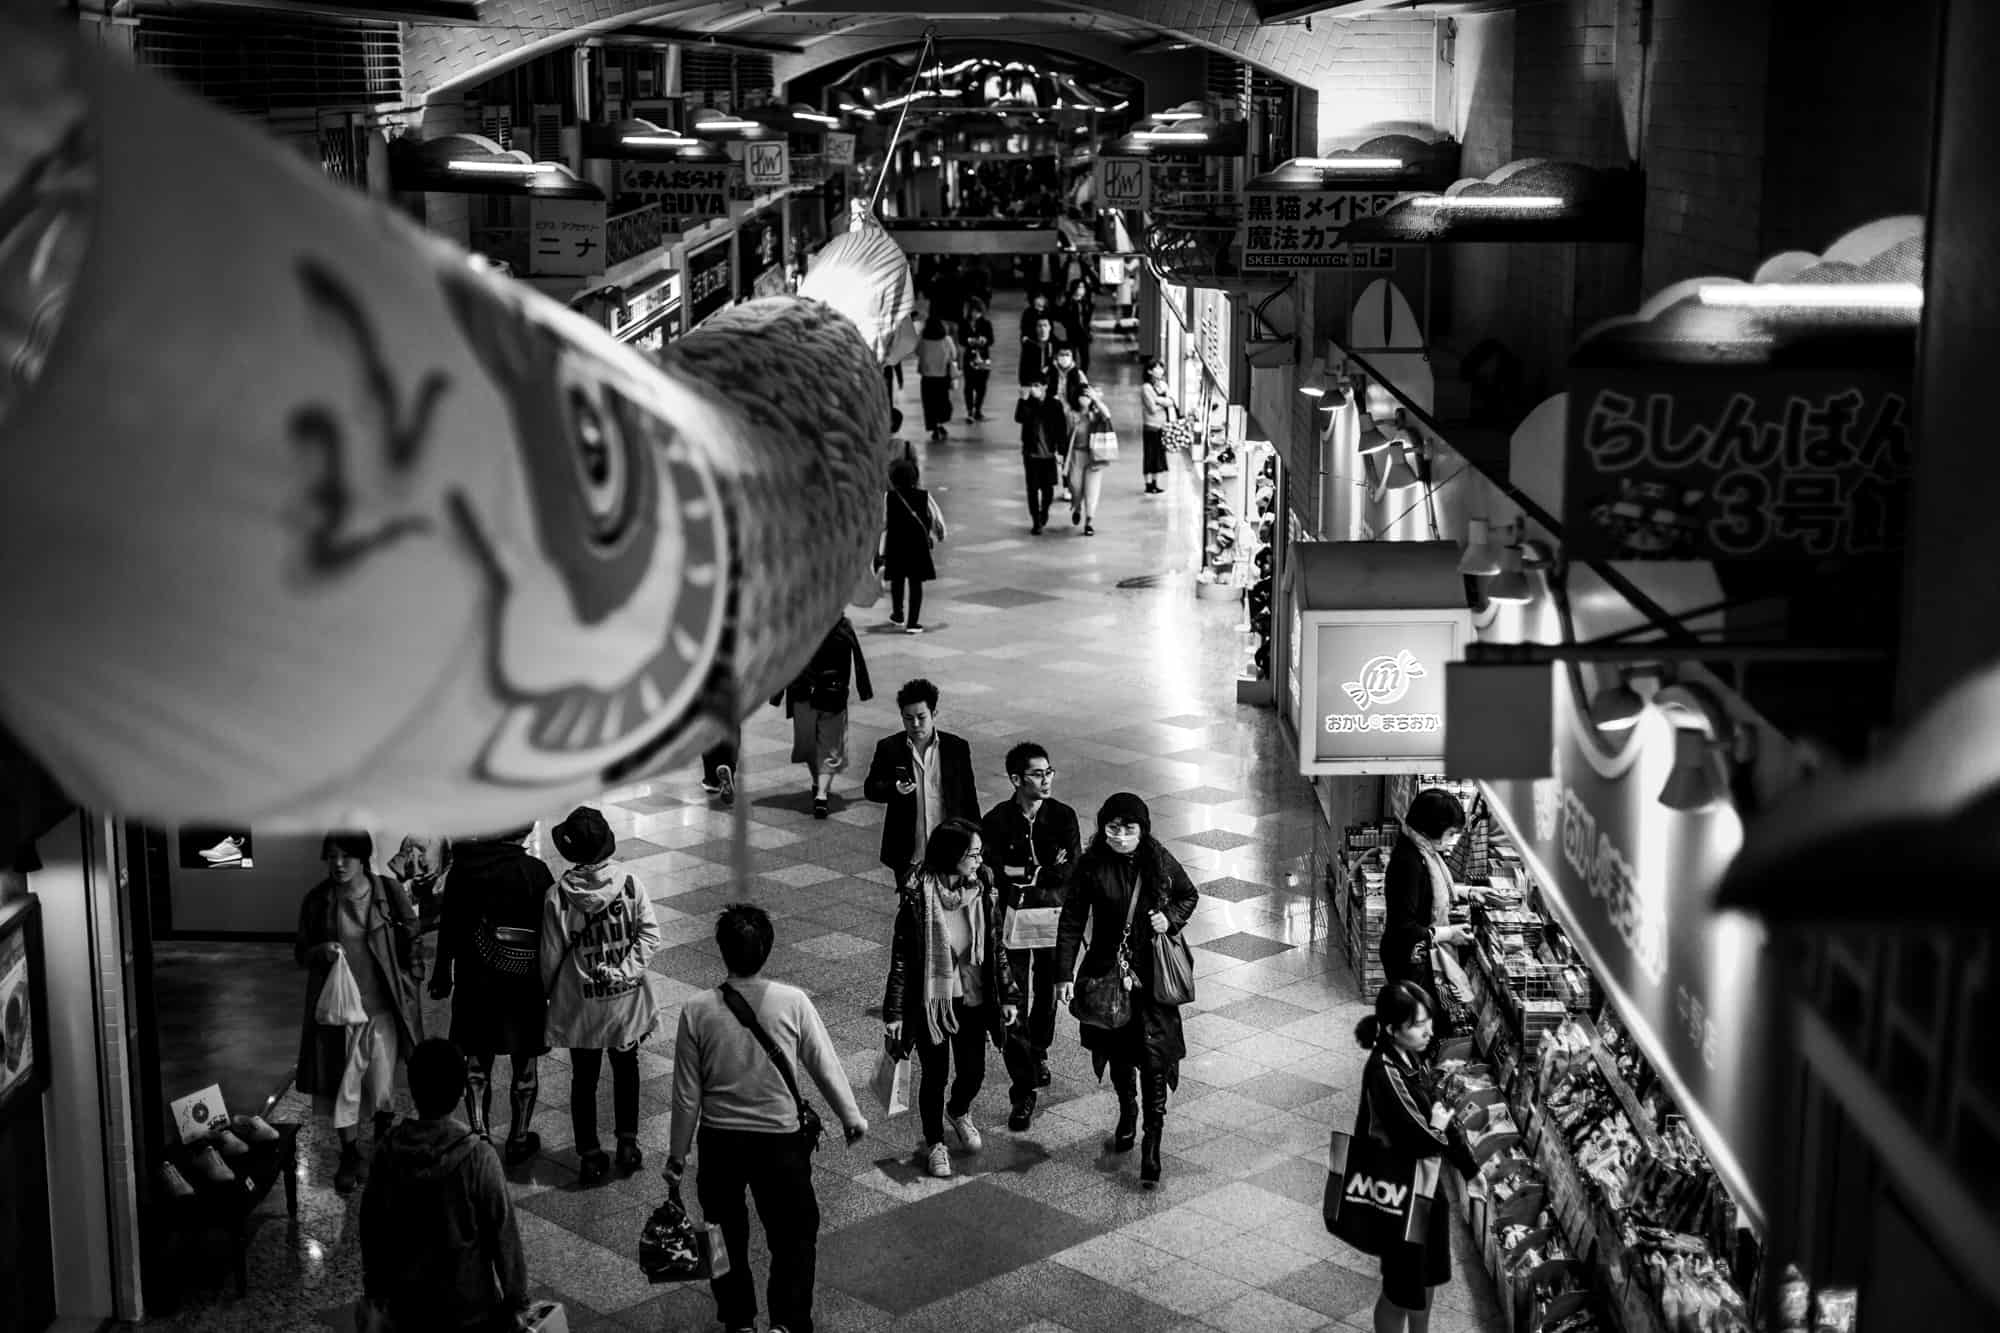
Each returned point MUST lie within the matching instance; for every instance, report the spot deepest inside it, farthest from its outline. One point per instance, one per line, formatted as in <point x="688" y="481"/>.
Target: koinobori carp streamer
<point x="309" y="523"/>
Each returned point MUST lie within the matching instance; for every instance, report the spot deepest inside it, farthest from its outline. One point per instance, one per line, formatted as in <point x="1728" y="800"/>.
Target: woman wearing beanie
<point x="1400" y="1107"/>
<point x="598" y="932"/>
<point x="951" y="988"/>
<point x="1125" y="859"/>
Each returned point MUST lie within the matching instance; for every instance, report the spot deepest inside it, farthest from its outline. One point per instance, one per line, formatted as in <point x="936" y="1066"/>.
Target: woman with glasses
<point x="368" y="920"/>
<point x="1123" y="862"/>
<point x="951" y="989"/>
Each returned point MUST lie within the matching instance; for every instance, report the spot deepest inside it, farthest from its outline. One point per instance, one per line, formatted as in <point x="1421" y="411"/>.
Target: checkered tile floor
<point x="1041" y="1231"/>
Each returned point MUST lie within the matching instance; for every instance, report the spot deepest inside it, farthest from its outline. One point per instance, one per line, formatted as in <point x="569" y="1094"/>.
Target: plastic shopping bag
<point x="340" y="999"/>
<point x="891" y="1083"/>
<point x="674" y="1247"/>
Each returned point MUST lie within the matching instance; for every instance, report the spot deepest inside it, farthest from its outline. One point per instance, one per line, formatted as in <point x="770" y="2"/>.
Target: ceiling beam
<point x="661" y="36"/>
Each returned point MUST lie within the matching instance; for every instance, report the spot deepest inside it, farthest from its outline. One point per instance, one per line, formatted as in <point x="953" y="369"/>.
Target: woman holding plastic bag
<point x="357" y="941"/>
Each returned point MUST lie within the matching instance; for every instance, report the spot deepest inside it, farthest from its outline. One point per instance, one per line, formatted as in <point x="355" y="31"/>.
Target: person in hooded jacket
<point x="598" y="934"/>
<point x="488" y="965"/>
<point x="440" y="1250"/>
<point x="816" y="703"/>
<point x="1144" y="1055"/>
<point x="368" y="919"/>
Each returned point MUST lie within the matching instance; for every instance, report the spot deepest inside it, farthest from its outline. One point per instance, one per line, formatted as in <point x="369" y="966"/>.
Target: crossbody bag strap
<point x="1131" y="911"/>
<point x="911" y="510"/>
<point x="748" y="1018"/>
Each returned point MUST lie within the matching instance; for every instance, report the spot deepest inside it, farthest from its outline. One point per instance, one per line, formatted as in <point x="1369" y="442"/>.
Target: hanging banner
<point x="839" y="149"/>
<point x="687" y="195"/>
<point x="767" y="165"/>
<point x="566" y="237"/>
<point x="708" y="283"/>
<point x="1735" y="464"/>
<point x="1121" y="182"/>
<point x="1288" y="229"/>
<point x="1632" y="883"/>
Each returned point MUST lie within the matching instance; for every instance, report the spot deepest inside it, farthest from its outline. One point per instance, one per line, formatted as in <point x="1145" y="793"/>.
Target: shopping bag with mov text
<point x="891" y="1083"/>
<point x="340" y="999"/>
<point x="1376" y="1199"/>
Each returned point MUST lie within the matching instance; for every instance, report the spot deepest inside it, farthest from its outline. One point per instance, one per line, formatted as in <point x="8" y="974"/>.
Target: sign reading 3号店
<point x="1757" y="464"/>
<point x="1372" y="688"/>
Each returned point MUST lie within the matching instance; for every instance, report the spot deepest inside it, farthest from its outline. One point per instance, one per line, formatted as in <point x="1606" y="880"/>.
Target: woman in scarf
<point x="598" y="933"/>
<point x="1419" y="892"/>
<point x="951" y="990"/>
<point x="1124" y="860"/>
<point x="367" y="919"/>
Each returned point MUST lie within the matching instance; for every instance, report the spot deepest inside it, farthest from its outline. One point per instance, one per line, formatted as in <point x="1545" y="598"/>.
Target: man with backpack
<point x="816" y="702"/>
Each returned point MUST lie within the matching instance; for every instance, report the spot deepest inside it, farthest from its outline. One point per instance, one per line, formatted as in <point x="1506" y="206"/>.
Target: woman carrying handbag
<point x="1130" y="890"/>
<point x="1402" y="1132"/>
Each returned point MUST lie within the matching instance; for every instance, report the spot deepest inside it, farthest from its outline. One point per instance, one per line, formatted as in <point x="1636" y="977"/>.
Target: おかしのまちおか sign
<point x="1373" y="688"/>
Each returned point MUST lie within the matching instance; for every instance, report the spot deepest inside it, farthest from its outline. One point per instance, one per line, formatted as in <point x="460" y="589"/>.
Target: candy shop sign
<point x="1373" y="688"/>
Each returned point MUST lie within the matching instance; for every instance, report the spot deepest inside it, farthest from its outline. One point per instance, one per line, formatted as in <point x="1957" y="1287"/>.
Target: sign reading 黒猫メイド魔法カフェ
<point x="1290" y="229"/>
<point x="1733" y="464"/>
<point x="1371" y="688"/>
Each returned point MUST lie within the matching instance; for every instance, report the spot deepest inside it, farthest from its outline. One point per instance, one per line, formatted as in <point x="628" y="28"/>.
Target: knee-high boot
<point x="1154" y="1084"/>
<point x="1125" y="1082"/>
<point x="522" y="1141"/>
<point x="479" y="1096"/>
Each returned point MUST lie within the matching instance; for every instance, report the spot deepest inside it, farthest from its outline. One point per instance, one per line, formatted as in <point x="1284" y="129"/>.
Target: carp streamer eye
<point x="603" y="461"/>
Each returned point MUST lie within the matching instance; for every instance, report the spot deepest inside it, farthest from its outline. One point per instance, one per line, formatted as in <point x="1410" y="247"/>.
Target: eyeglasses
<point x="975" y="856"/>
<point x="1039" y="774"/>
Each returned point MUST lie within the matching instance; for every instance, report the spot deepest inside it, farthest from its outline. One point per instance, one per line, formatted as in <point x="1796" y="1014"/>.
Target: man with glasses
<point x="1032" y="841"/>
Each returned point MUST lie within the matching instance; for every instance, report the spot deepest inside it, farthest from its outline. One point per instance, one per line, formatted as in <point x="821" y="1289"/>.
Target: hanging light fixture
<point x="1617" y="707"/>
<point x="1481" y="558"/>
<point x="1510" y="586"/>
<point x="1314" y="384"/>
<point x="1696" y="782"/>
<point x="1372" y="440"/>
<point x="1402" y="475"/>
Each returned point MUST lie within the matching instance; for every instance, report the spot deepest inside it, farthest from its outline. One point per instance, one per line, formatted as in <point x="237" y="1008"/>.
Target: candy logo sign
<point x="1385" y="680"/>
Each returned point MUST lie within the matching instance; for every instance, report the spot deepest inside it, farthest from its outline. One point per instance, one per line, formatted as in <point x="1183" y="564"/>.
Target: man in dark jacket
<point x="439" y="1247"/>
<point x="488" y="954"/>
<point x="1032" y="841"/>
<point x="923" y="775"/>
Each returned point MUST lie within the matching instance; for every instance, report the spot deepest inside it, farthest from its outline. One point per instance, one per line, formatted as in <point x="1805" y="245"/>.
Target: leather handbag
<point x="1173" y="970"/>
<point x="1105" y="999"/>
<point x="673" y="1247"/>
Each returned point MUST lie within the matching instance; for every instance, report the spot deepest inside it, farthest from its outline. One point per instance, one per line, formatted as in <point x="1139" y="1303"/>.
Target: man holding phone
<point x="923" y="775"/>
<point x="1032" y="840"/>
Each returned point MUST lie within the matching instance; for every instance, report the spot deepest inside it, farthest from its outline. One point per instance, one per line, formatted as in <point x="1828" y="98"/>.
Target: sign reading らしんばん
<point x="1372" y="688"/>
<point x="1286" y="229"/>
<point x="1735" y="464"/>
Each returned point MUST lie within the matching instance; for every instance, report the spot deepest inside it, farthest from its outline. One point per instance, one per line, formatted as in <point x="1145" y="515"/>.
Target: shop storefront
<point x="652" y="313"/>
<point x="760" y="254"/>
<point x="708" y="280"/>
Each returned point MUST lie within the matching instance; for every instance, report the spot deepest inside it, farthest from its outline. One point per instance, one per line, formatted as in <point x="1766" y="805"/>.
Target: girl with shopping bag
<point x="357" y="940"/>
<point x="1384" y="1194"/>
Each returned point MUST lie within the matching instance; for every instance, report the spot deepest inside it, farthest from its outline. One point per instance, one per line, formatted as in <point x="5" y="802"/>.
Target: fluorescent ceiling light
<point x="1488" y="203"/>
<point x="483" y="167"/>
<point x="1176" y="114"/>
<point x="1122" y="105"/>
<point x="1813" y="296"/>
<point x="817" y="117"/>
<point x="724" y="125"/>
<point x="658" y="140"/>
<point x="1349" y="163"/>
<point x="1172" y="136"/>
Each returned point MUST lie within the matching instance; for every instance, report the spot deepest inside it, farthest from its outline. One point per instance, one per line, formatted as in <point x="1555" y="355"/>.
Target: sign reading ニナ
<point x="1288" y="229"/>
<point x="566" y="237"/>
<point x="1372" y="689"/>
<point x="1735" y="465"/>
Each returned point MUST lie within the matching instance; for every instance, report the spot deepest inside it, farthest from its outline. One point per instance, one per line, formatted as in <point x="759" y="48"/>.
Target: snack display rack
<point x="1595" y="1209"/>
<point x="1259" y="589"/>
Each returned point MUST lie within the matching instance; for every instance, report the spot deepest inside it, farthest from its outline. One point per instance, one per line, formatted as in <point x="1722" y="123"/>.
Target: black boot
<point x="348" y="1174"/>
<point x="479" y="1098"/>
<point x="1154" y="1085"/>
<point x="1124" y="1081"/>
<point x="522" y="1142"/>
<point x="1024" y="1113"/>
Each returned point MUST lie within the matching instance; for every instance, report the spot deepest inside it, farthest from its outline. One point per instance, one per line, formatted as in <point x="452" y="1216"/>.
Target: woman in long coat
<point x="370" y="920"/>
<point x="1144" y="1055"/>
<point x="910" y="522"/>
<point x="1418" y="893"/>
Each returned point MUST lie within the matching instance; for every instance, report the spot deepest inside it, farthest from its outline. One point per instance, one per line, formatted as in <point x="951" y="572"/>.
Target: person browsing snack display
<point x="1419" y="892"/>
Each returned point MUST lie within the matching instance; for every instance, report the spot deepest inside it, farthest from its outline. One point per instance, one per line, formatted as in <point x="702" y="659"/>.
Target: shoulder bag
<point x="930" y="542"/>
<point x="1375" y="1198"/>
<point x="1173" y="969"/>
<point x="1105" y="1000"/>
<point x="811" y="1128"/>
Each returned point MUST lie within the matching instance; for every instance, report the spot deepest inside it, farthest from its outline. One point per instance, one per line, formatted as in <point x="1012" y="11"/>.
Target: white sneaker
<point x="229" y="849"/>
<point x="968" y="1133"/>
<point x="940" y="1162"/>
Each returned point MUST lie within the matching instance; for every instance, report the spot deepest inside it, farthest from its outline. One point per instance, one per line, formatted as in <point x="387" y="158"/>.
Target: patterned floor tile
<point x="1245" y="947"/>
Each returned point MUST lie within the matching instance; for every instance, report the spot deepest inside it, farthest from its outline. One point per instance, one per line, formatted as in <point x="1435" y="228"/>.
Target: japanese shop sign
<point x="1121" y="182"/>
<point x="1755" y="464"/>
<point x="839" y="149"/>
<point x="1286" y="229"/>
<point x="757" y="239"/>
<point x="1372" y="688"/>
<point x="766" y="165"/>
<point x="1632" y="883"/>
<point x="687" y="195"/>
<point x="566" y="237"/>
<point x="708" y="283"/>
<point x="632" y="233"/>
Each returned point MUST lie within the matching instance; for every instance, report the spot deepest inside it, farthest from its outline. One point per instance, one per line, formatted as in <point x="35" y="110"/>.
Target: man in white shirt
<point x="726" y="1085"/>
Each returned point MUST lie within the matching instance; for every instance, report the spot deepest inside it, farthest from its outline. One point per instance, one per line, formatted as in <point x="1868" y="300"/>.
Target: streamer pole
<point x="924" y="58"/>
